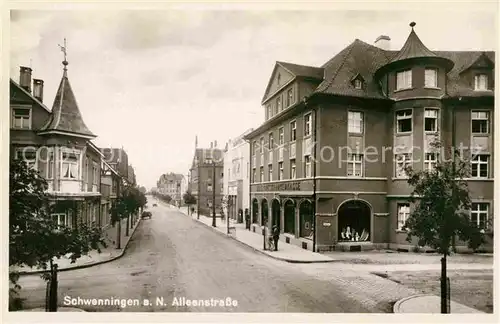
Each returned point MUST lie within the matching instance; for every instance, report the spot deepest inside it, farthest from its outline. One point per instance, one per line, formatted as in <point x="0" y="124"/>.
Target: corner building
<point x="371" y="111"/>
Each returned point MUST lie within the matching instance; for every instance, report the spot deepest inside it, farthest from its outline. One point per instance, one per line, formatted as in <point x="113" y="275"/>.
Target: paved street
<point x="174" y="256"/>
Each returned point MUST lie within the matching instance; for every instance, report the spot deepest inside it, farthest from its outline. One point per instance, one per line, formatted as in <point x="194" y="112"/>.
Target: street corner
<point x="429" y="304"/>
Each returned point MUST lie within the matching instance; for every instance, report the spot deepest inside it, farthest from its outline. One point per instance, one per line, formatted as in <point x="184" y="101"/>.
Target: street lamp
<point x="213" y="194"/>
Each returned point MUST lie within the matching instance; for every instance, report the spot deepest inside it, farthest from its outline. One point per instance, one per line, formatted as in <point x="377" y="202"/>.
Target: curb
<point x="397" y="305"/>
<point x="83" y="266"/>
<point x="262" y="252"/>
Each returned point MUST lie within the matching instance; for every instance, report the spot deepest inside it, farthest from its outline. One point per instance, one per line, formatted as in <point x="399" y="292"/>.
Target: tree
<point x="35" y="239"/>
<point x="189" y="199"/>
<point x="442" y="201"/>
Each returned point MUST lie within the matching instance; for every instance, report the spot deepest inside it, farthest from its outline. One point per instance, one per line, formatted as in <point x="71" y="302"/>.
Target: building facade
<point x="173" y="185"/>
<point x="327" y="164"/>
<point x="237" y="176"/>
<point x="57" y="143"/>
<point x="206" y="176"/>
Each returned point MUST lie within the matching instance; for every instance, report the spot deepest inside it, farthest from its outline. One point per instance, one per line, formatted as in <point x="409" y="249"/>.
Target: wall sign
<point x="284" y="186"/>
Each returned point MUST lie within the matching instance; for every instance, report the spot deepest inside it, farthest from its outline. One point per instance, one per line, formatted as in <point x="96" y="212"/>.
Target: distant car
<point x="155" y="205"/>
<point x="146" y="214"/>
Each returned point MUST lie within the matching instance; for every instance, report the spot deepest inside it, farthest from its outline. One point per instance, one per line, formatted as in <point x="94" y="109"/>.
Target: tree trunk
<point x="51" y="303"/>
<point x="128" y="225"/>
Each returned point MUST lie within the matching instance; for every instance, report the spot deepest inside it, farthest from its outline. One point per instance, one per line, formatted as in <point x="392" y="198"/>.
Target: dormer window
<point x="430" y="78"/>
<point x="357" y="82"/>
<point x="481" y="82"/>
<point x="403" y="80"/>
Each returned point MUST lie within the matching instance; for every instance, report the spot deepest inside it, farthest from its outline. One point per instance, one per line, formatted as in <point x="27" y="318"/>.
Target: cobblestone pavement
<point x="173" y="256"/>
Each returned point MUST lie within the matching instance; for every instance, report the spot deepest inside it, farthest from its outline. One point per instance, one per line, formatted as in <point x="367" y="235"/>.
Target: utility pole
<point x="119" y="227"/>
<point x="314" y="147"/>
<point x="227" y="216"/>
<point x="213" y="195"/>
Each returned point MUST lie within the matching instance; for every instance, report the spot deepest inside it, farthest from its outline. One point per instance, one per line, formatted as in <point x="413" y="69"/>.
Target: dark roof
<point x="456" y="86"/>
<point x="216" y="153"/>
<point x="16" y="86"/>
<point x="66" y="116"/>
<point x="303" y="70"/>
<point x="357" y="58"/>
<point x="412" y="48"/>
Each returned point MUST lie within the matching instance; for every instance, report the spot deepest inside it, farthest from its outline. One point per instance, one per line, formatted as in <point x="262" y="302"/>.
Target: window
<point x="479" y="166"/>
<point x="254" y="175"/>
<point x="278" y="79"/>
<point x="402" y="162"/>
<point x="261" y="174"/>
<point x="28" y="155"/>
<point x="278" y="103"/>
<point x="431" y="78"/>
<point x="354" y="165"/>
<point x="271" y="141"/>
<point x="281" y="136"/>
<point x="95" y="170"/>
<point x="61" y="219"/>
<point x="254" y="148"/>
<point x="307" y="166"/>
<point x="209" y="202"/>
<point x="481" y="82"/>
<point x="270" y="172"/>
<point x="480" y="122"/>
<point x="50" y="164"/>
<point x="290" y="97"/>
<point x="280" y="174"/>
<point x="403" y="214"/>
<point x="269" y="111"/>
<point x="479" y="214"/>
<point x="262" y="145"/>
<point x="307" y="125"/>
<point x="293" y="131"/>
<point x="403" y="80"/>
<point x="431" y="118"/>
<point x="69" y="165"/>
<point x="358" y="84"/>
<point x="404" y="121"/>
<point x="430" y="161"/>
<point x="21" y="118"/>
<point x="293" y="169"/>
<point x="209" y="186"/>
<point x="355" y="122"/>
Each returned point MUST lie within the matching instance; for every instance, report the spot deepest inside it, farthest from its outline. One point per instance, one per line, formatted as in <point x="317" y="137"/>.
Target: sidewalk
<point x="429" y="304"/>
<point x="107" y="254"/>
<point x="286" y="252"/>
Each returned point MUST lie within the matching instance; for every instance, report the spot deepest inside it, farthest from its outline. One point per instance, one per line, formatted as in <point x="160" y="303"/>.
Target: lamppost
<point x="213" y="194"/>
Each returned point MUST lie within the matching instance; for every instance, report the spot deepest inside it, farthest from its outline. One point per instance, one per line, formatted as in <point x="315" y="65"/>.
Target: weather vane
<point x="63" y="49"/>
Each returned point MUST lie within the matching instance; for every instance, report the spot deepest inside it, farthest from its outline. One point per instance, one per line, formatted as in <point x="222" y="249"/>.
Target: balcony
<point x="307" y="146"/>
<point x="293" y="150"/>
<point x="70" y="186"/>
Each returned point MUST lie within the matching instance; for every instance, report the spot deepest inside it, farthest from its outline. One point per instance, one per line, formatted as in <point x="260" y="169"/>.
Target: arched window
<point x="289" y="210"/>
<point x="306" y="219"/>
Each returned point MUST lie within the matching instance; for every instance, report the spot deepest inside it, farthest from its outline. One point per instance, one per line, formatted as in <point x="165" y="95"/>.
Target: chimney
<point x="383" y="42"/>
<point x="25" y="78"/>
<point x="211" y="144"/>
<point x="215" y="144"/>
<point x="38" y="89"/>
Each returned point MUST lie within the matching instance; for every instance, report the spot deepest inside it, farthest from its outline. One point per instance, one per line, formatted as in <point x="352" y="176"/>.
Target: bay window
<point x="69" y="165"/>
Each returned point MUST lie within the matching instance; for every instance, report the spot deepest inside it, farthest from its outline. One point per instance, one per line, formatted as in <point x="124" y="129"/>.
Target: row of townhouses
<point x="173" y="185"/>
<point x="331" y="153"/>
<point x="82" y="178"/>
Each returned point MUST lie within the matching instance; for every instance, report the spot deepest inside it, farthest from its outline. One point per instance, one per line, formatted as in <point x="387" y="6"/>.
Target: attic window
<point x="358" y="84"/>
<point x="279" y="79"/>
<point x="481" y="82"/>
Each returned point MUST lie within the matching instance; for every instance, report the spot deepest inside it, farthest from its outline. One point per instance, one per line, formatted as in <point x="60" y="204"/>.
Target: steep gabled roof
<point x="16" y="86"/>
<point x="66" y="116"/>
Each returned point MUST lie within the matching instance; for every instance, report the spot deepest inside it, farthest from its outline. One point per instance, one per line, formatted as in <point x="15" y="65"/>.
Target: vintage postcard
<point x="315" y="160"/>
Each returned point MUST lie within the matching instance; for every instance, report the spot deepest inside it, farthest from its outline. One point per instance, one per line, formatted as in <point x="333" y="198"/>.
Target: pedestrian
<point x="276" y="236"/>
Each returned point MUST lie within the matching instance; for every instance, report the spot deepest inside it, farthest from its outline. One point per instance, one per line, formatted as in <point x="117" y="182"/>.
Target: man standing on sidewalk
<point x="276" y="236"/>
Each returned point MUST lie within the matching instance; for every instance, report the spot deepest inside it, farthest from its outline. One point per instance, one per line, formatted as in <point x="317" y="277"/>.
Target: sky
<point x="151" y="81"/>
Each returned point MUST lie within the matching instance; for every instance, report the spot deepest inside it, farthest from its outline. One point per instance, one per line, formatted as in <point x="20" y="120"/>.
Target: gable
<point x="482" y="62"/>
<point x="279" y="77"/>
<point x="20" y="98"/>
